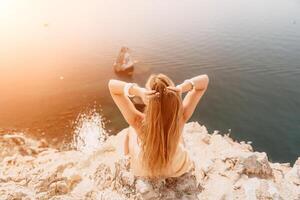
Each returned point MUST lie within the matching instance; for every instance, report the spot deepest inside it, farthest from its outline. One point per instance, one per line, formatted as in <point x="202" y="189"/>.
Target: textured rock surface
<point x="224" y="169"/>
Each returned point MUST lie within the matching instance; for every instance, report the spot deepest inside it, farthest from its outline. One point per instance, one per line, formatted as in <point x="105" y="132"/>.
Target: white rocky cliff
<point x="224" y="169"/>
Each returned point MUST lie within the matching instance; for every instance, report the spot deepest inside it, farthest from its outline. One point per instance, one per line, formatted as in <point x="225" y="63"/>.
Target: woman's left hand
<point x="175" y="89"/>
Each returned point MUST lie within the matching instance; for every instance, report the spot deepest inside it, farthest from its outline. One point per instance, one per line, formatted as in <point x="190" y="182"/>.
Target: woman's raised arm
<point x="196" y="88"/>
<point x="117" y="90"/>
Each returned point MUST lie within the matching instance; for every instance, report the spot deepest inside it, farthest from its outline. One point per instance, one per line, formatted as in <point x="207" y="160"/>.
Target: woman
<point x="154" y="141"/>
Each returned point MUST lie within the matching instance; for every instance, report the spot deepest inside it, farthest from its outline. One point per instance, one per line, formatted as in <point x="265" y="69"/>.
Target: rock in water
<point x="124" y="63"/>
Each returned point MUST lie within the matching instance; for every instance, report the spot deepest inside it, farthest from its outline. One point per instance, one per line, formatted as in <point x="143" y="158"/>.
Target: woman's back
<point x="179" y="164"/>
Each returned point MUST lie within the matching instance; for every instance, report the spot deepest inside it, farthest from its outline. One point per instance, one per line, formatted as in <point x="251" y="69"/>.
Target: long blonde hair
<point x="160" y="130"/>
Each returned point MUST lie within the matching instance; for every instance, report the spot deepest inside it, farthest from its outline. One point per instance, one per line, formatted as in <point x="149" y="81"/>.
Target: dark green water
<point x="56" y="59"/>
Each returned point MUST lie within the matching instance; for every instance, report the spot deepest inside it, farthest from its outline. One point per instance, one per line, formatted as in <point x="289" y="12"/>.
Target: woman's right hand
<point x="145" y="93"/>
<point x="141" y="92"/>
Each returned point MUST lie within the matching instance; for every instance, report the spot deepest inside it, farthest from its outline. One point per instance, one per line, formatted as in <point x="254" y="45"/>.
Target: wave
<point x="89" y="133"/>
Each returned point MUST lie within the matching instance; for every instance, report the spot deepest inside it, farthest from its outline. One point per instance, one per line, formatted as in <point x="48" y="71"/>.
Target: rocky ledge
<point x="224" y="169"/>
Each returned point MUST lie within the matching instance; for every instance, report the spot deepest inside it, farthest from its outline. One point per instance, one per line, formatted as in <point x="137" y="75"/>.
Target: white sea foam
<point x="89" y="133"/>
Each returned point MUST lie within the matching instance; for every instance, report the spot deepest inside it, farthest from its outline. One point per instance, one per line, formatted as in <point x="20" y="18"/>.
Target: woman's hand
<point x="183" y="87"/>
<point x="145" y="93"/>
<point x="175" y="89"/>
<point x="141" y="92"/>
<point x="197" y="83"/>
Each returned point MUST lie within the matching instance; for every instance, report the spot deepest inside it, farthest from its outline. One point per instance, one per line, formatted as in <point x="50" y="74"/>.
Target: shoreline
<point x="224" y="169"/>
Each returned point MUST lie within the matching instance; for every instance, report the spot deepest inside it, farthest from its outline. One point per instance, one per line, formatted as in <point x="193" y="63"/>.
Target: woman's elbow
<point x="206" y="80"/>
<point x="111" y="84"/>
<point x="203" y="82"/>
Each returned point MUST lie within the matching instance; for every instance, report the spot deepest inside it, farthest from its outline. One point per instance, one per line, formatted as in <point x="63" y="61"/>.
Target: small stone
<point x="257" y="164"/>
<point x="62" y="188"/>
<point x="59" y="188"/>
<point x="143" y="186"/>
<point x="189" y="197"/>
<point x="145" y="189"/>
<point x="127" y="178"/>
<point x="43" y="144"/>
<point x="168" y="194"/>
<point x="206" y="139"/>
